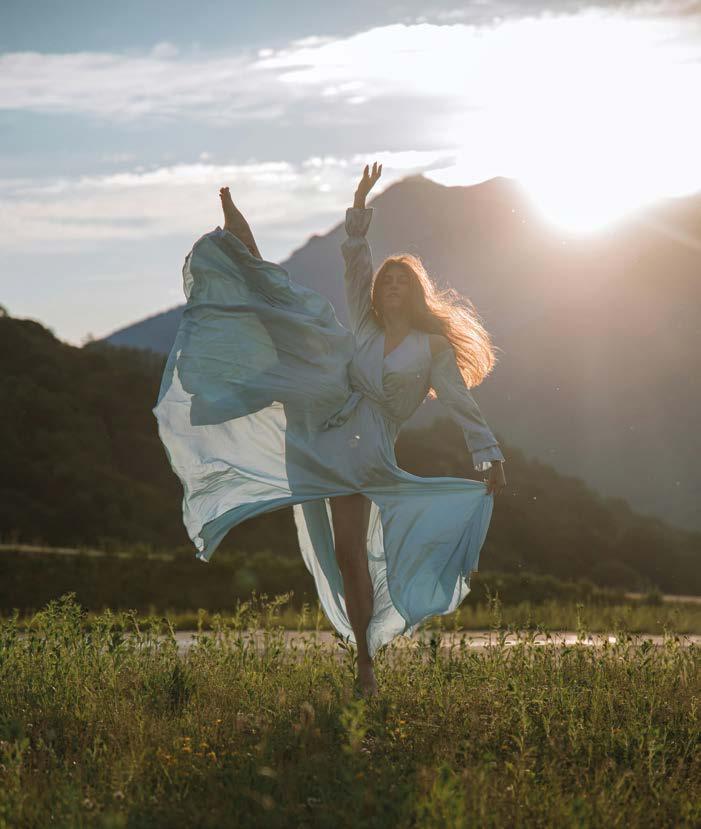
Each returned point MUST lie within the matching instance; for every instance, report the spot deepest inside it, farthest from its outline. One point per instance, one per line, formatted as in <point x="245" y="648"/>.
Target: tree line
<point x="82" y="465"/>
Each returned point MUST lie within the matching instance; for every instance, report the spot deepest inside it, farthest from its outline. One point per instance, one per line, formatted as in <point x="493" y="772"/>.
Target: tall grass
<point x="101" y="728"/>
<point x="635" y="616"/>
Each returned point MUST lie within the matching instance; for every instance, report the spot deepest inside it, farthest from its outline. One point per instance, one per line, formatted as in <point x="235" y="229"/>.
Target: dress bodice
<point x="398" y="382"/>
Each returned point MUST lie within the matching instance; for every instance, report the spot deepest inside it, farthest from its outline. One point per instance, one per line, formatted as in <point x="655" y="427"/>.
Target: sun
<point x="580" y="206"/>
<point x="592" y="114"/>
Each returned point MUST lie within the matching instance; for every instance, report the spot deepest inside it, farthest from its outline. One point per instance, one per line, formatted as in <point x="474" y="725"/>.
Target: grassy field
<point x="98" y="728"/>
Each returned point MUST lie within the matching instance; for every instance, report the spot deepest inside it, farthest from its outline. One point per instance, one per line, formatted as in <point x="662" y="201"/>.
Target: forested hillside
<point x="82" y="464"/>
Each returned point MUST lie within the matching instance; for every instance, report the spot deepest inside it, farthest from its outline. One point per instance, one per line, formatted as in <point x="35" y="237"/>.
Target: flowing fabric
<point x="268" y="401"/>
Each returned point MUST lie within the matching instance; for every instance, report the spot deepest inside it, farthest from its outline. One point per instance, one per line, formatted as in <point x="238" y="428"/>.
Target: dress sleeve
<point x="359" y="270"/>
<point x="446" y="378"/>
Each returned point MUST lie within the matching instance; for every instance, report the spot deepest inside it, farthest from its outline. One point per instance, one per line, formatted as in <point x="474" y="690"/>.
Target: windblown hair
<point x="442" y="311"/>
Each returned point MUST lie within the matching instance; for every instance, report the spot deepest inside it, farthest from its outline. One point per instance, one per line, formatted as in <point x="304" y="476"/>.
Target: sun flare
<point x="593" y="114"/>
<point x="603" y="136"/>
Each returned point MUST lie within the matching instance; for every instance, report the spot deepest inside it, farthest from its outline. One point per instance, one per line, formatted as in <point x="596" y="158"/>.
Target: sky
<point x="120" y="122"/>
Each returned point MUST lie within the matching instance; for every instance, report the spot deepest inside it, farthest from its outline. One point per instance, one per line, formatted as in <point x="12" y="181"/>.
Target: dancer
<point x="267" y="401"/>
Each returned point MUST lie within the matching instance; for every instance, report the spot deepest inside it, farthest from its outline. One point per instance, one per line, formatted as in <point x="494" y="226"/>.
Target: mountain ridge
<point x="597" y="335"/>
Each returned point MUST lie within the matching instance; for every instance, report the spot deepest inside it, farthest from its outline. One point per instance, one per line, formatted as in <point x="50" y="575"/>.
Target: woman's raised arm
<point x="358" y="258"/>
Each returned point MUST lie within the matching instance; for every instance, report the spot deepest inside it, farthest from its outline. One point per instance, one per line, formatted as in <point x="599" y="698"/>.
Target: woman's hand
<point x="496" y="480"/>
<point x="367" y="182"/>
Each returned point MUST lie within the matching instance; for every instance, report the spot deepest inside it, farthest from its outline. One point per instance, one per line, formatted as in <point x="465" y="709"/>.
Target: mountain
<point x="599" y="336"/>
<point x="82" y="464"/>
<point x="155" y="333"/>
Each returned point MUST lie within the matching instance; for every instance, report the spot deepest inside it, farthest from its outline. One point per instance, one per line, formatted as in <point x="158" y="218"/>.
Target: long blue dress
<point x="267" y="401"/>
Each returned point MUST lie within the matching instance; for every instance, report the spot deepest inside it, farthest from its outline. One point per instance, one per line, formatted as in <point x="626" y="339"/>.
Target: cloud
<point x="126" y="88"/>
<point x="165" y="50"/>
<point x="556" y="98"/>
<point x="280" y="199"/>
<point x="463" y="64"/>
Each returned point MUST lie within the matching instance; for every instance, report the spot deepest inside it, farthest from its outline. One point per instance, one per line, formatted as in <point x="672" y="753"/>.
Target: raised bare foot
<point x="366" y="679"/>
<point x="228" y="207"/>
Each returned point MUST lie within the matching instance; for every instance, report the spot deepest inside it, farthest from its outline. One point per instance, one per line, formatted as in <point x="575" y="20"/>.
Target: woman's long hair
<point x="442" y="311"/>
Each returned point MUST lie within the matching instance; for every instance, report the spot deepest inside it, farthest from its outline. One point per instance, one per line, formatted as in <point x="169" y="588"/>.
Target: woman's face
<point x="394" y="288"/>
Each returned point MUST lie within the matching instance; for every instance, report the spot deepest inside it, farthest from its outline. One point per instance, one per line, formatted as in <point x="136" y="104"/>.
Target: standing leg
<point x="351" y="515"/>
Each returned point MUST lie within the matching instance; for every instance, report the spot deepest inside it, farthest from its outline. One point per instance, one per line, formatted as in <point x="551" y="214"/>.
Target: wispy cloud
<point x="280" y="198"/>
<point x="125" y="88"/>
<point x="447" y="58"/>
<point x="546" y="97"/>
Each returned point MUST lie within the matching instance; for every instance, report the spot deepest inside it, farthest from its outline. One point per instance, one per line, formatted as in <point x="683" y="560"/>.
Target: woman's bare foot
<point x="228" y="208"/>
<point x="236" y="224"/>
<point x="366" y="679"/>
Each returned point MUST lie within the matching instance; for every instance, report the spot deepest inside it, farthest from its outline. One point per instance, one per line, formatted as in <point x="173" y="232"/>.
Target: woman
<point x="267" y="401"/>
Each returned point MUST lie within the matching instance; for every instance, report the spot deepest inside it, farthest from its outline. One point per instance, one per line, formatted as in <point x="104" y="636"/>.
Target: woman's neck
<point x="396" y="326"/>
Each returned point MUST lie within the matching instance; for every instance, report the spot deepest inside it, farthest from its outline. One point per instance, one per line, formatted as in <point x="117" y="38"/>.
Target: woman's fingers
<point x="369" y="178"/>
<point x="367" y="182"/>
<point x="496" y="482"/>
